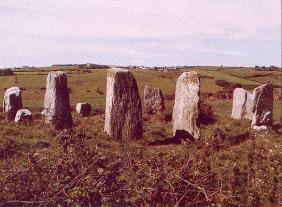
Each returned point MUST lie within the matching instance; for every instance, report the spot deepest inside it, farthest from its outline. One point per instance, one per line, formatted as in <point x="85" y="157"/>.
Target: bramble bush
<point x="218" y="169"/>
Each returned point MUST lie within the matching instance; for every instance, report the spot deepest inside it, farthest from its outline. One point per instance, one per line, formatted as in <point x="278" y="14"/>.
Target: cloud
<point x="114" y="28"/>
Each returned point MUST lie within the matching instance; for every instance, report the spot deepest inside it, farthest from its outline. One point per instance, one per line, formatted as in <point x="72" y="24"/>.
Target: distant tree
<point x="6" y="72"/>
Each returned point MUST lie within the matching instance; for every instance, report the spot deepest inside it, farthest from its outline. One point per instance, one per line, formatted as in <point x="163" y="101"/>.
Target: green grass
<point x="90" y="87"/>
<point x="223" y="75"/>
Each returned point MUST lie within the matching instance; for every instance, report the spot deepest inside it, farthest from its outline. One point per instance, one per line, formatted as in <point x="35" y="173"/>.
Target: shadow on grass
<point x="168" y="141"/>
<point x="180" y="136"/>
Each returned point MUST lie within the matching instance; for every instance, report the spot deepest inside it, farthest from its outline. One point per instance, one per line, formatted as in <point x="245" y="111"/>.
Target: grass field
<point x="230" y="165"/>
<point x="86" y="86"/>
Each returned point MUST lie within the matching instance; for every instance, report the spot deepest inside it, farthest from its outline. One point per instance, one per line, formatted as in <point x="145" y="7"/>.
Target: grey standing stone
<point x="242" y="104"/>
<point x="186" y="107"/>
<point x="12" y="102"/>
<point x="263" y="106"/>
<point x="57" y="109"/>
<point x="249" y="106"/>
<point x="83" y="108"/>
<point x="123" y="113"/>
<point x="153" y="100"/>
<point x="23" y="115"/>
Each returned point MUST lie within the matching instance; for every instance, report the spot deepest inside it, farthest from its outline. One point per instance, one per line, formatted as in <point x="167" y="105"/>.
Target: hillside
<point x="230" y="165"/>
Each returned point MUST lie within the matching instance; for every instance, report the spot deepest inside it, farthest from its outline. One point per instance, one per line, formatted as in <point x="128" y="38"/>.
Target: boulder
<point x="57" y="109"/>
<point x="123" y="113"/>
<point x="153" y="100"/>
<point x="12" y="102"/>
<point x="83" y="108"/>
<point x="186" y="106"/>
<point x="263" y="106"/>
<point x="23" y="115"/>
<point x="242" y="104"/>
<point x="261" y="128"/>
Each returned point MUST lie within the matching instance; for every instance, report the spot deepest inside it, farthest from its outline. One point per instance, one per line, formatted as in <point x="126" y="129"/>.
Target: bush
<point x="7" y="147"/>
<point x="6" y="72"/>
<point x="229" y="166"/>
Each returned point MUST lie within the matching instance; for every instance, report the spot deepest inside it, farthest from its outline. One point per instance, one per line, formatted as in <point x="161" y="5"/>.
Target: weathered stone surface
<point x="12" y="102"/>
<point x="56" y="101"/>
<point x="123" y="113"/>
<point x="83" y="108"/>
<point x="261" y="128"/>
<point x="153" y="100"/>
<point x="249" y="106"/>
<point x="263" y="105"/>
<point x="242" y="104"/>
<point x="186" y="107"/>
<point x="23" y="115"/>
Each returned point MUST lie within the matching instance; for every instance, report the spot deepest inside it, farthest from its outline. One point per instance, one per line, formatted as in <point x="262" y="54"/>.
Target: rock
<point x="186" y="107"/>
<point x="12" y="102"/>
<point x="249" y="106"/>
<point x="153" y="100"/>
<point x="262" y="128"/>
<point x="123" y="113"/>
<point x="263" y="105"/>
<point x="242" y="104"/>
<point x="57" y="109"/>
<point x="23" y="115"/>
<point x="83" y="108"/>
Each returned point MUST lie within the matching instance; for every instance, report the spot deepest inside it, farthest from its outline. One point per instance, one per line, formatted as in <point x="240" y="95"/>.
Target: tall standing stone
<point x="12" y="102"/>
<point x="123" y="114"/>
<point x="263" y="105"/>
<point x="242" y="104"/>
<point x="186" y="107"/>
<point x="56" y="101"/>
<point x="153" y="100"/>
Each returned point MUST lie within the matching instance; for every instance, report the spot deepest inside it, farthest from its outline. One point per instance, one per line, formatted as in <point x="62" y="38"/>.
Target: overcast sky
<point x="140" y="32"/>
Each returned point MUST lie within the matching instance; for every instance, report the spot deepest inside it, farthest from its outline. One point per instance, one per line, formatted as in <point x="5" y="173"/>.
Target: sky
<point x="140" y="32"/>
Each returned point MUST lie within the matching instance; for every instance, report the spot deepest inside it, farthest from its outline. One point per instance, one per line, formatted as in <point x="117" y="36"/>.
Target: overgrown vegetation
<point x="231" y="166"/>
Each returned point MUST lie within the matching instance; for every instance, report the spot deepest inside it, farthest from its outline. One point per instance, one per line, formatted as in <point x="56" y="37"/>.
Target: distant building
<point x="95" y="66"/>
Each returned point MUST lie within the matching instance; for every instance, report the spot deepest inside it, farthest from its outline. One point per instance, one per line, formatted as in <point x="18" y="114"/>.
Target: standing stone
<point x="153" y="100"/>
<point x="186" y="107"/>
<point x="12" y="102"/>
<point x="263" y="106"/>
<point x="123" y="114"/>
<point x="23" y="115"/>
<point x="56" y="101"/>
<point x="83" y="108"/>
<point x="242" y="104"/>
